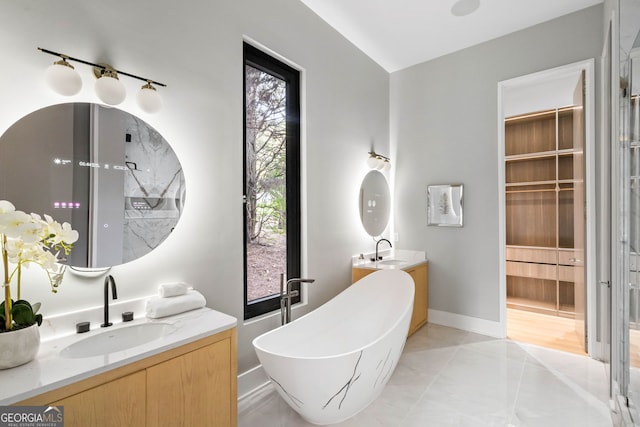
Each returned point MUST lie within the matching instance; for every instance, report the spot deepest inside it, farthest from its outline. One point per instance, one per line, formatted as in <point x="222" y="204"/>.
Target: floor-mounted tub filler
<point x="332" y="363"/>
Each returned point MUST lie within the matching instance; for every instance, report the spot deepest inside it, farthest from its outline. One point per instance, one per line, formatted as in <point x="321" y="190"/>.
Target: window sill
<point x="271" y="314"/>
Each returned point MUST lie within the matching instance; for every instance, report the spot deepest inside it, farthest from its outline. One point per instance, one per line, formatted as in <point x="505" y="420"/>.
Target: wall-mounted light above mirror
<point x="63" y="79"/>
<point x="111" y="175"/>
<point x="378" y="161"/>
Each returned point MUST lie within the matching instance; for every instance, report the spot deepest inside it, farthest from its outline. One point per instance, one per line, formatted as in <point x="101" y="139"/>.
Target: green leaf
<point x="22" y="301"/>
<point x="23" y="314"/>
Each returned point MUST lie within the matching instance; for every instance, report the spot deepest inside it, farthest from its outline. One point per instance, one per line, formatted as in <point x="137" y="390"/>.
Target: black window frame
<point x="258" y="59"/>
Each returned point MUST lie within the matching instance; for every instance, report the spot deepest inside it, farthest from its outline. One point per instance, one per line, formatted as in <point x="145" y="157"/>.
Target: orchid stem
<point x="19" y="279"/>
<point x="8" y="320"/>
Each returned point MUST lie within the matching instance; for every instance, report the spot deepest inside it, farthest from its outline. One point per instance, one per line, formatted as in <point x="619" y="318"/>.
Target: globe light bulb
<point x="149" y="99"/>
<point x="372" y="161"/>
<point x="109" y="89"/>
<point x="63" y="79"/>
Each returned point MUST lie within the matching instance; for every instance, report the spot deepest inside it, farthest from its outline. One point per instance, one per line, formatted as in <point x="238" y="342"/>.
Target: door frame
<point x="588" y="67"/>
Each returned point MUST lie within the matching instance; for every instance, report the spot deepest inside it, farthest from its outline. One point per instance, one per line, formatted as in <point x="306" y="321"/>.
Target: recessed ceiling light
<point x="465" y="7"/>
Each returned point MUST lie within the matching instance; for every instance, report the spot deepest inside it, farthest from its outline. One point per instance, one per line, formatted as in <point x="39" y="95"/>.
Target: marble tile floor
<point x="449" y="377"/>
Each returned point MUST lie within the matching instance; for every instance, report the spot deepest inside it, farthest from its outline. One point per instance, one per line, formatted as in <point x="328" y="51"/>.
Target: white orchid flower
<point x="53" y="231"/>
<point x="30" y="252"/>
<point x="57" y="233"/>
<point x="13" y="223"/>
<point x="6" y="206"/>
<point x="47" y="260"/>
<point x="30" y="239"/>
<point x="14" y="248"/>
<point x="31" y="232"/>
<point x="69" y="235"/>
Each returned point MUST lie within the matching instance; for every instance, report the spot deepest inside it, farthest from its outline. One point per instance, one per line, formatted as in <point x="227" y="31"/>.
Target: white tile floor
<point x="449" y="377"/>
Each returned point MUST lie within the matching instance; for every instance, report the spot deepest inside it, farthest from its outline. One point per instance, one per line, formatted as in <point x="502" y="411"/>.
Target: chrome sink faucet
<point x="285" y="298"/>
<point x="377" y="258"/>
<point x="108" y="280"/>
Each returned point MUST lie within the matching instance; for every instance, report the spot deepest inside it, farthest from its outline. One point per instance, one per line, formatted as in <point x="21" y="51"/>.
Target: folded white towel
<point x="173" y="289"/>
<point x="158" y="307"/>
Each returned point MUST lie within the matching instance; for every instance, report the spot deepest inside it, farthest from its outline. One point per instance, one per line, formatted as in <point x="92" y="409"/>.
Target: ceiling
<point x="400" y="33"/>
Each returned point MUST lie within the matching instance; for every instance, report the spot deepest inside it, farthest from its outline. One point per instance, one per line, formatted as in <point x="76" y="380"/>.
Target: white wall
<point x="444" y="130"/>
<point x="552" y="93"/>
<point x="196" y="49"/>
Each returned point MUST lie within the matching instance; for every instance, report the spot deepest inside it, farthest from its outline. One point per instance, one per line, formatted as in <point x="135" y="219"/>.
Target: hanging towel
<point x="158" y="307"/>
<point x="173" y="289"/>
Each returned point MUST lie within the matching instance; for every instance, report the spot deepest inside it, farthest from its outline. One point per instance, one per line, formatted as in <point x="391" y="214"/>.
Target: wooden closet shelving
<point x="539" y="187"/>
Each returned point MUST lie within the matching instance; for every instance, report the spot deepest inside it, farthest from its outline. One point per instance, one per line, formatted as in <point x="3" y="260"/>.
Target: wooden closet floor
<point x="544" y="330"/>
<point x="634" y="348"/>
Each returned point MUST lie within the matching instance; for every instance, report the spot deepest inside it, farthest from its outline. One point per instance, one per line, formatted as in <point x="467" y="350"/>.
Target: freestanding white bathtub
<point x="332" y="363"/>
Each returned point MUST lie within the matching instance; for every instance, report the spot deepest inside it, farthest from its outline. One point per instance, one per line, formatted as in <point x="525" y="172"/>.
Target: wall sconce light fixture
<point x="378" y="161"/>
<point x="65" y="80"/>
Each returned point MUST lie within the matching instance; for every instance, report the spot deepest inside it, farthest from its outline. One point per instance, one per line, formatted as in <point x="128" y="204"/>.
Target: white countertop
<point x="50" y="371"/>
<point x="392" y="259"/>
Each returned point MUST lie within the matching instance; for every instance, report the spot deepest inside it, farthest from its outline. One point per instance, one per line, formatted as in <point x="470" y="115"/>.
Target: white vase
<point x="19" y="346"/>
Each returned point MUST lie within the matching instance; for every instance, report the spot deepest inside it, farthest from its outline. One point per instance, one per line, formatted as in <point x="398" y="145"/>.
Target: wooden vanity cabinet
<point x="194" y="385"/>
<point x="421" y="298"/>
<point x="95" y="407"/>
<point x="420" y="275"/>
<point x="191" y="390"/>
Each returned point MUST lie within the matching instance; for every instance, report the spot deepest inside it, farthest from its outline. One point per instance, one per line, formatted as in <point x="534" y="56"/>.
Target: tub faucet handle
<point x="286" y="293"/>
<point x="298" y="280"/>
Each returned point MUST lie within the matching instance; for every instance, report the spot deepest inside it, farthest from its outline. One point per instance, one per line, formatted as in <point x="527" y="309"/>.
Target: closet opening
<point x="545" y="216"/>
<point x="544" y="225"/>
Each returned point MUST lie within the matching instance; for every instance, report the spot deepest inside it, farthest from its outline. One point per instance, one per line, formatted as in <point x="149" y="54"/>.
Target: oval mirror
<point x="375" y="203"/>
<point x="109" y="174"/>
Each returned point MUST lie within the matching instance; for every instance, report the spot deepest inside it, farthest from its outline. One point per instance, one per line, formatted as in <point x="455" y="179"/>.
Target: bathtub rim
<point x="388" y="331"/>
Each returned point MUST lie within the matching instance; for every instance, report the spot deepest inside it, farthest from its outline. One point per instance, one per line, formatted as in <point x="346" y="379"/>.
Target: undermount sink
<point x="392" y="262"/>
<point x="117" y="339"/>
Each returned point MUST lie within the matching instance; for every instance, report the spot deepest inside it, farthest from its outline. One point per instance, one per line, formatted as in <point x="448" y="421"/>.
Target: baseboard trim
<point x="467" y="323"/>
<point x="251" y="381"/>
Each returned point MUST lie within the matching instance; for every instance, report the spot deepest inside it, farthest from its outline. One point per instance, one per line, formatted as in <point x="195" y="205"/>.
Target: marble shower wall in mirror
<point x="154" y="189"/>
<point x="105" y="171"/>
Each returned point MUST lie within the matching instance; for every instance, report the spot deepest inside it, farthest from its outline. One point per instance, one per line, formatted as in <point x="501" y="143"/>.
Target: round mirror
<point x="375" y="203"/>
<point x="109" y="174"/>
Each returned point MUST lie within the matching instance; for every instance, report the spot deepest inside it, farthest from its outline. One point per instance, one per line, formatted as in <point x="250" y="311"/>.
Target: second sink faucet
<point x="377" y="258"/>
<point x="108" y="280"/>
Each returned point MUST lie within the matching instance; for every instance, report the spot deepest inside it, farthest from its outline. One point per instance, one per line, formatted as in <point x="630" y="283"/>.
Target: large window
<point x="271" y="179"/>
